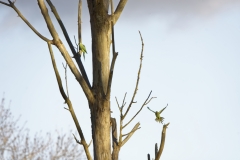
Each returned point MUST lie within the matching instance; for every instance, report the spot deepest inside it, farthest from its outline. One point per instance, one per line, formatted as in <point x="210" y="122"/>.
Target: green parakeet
<point x="83" y="49"/>
<point x="157" y="114"/>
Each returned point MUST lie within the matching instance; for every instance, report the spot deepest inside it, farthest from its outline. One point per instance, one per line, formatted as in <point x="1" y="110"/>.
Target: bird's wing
<point x="84" y="48"/>
<point x="162" y="110"/>
<point x="150" y="110"/>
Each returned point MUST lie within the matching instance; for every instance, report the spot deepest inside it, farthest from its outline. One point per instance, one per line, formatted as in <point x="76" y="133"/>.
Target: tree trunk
<point x="100" y="116"/>
<point x="100" y="109"/>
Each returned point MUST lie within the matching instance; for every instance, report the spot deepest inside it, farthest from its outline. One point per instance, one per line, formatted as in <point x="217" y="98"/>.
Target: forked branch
<point x="144" y="104"/>
<point x="64" y="52"/>
<point x="6" y="3"/>
<point x="129" y="135"/>
<point x="122" y="116"/>
<point x="75" y="54"/>
<point x="69" y="103"/>
<point x="11" y="4"/>
<point x="119" y="10"/>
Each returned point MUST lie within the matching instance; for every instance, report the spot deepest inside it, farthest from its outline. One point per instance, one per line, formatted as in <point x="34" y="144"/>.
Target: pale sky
<point x="191" y="62"/>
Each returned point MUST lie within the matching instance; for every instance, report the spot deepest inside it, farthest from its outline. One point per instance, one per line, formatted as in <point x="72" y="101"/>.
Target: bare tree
<point x="16" y="143"/>
<point x="98" y="93"/>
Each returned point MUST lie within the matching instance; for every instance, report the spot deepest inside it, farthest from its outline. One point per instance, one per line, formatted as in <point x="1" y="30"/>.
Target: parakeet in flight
<point x="83" y="49"/>
<point x="157" y="114"/>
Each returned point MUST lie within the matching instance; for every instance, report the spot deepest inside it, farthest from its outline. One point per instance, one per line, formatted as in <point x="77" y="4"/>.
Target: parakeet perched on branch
<point x="157" y="114"/>
<point x="83" y="49"/>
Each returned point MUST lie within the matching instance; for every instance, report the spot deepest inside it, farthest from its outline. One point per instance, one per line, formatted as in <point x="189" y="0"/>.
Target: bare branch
<point x="130" y="134"/>
<point x="123" y="102"/>
<point x="77" y="48"/>
<point x="66" y="109"/>
<point x="149" y="100"/>
<point x="80" y="21"/>
<point x="162" y="141"/>
<point x="90" y="143"/>
<point x="132" y="101"/>
<point x="77" y="140"/>
<point x="59" y="81"/>
<point x="48" y="20"/>
<point x="69" y="103"/>
<point x="111" y="75"/>
<point x="5" y="4"/>
<point x="115" y="54"/>
<point x="75" y="55"/>
<point x="64" y="52"/>
<point x="112" y="25"/>
<point x="145" y="103"/>
<point x="11" y="4"/>
<point x="65" y="68"/>
<point x="119" y="10"/>
<point x="138" y="78"/>
<point x="118" y="104"/>
<point x="83" y="141"/>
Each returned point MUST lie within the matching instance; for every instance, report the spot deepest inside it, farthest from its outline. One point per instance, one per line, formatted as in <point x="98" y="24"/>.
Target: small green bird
<point x="157" y="114"/>
<point x="83" y="49"/>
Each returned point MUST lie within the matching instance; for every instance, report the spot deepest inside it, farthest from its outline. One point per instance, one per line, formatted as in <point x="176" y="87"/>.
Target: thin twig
<point x="79" y="26"/>
<point x="66" y="109"/>
<point x="130" y="134"/>
<point x="123" y="102"/>
<point x="59" y="81"/>
<point x="118" y="104"/>
<point x="77" y="48"/>
<point x="138" y="78"/>
<point x="11" y="4"/>
<point x="65" y="67"/>
<point x="140" y="109"/>
<point x="149" y="100"/>
<point x="5" y="4"/>
<point x="77" y="140"/>
<point x="80" y="21"/>
<point x="90" y="143"/>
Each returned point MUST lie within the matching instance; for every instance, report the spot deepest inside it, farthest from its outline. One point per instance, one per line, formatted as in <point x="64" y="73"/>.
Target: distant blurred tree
<point x="16" y="143"/>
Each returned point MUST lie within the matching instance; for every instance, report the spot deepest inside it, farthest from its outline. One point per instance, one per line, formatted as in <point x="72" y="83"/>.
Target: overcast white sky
<point x="191" y="61"/>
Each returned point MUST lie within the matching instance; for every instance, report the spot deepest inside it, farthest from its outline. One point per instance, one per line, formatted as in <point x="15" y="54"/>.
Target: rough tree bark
<point x="100" y="108"/>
